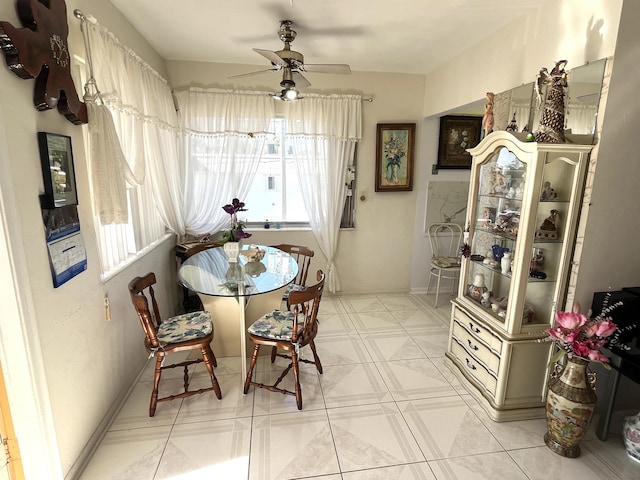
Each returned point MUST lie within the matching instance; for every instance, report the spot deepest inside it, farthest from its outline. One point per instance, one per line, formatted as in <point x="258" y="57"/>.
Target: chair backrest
<point x="186" y="250"/>
<point x="303" y="256"/>
<point x="307" y="303"/>
<point x="149" y="320"/>
<point x="445" y="239"/>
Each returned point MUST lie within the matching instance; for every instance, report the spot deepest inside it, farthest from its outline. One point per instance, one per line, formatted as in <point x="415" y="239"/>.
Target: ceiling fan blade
<point x="299" y="80"/>
<point x="337" y="68"/>
<point x="251" y="74"/>
<point x="273" y="57"/>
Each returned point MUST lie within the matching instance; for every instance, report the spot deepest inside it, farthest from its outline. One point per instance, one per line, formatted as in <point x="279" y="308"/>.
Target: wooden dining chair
<point x="189" y="331"/>
<point x="302" y="256"/>
<point x="289" y="331"/>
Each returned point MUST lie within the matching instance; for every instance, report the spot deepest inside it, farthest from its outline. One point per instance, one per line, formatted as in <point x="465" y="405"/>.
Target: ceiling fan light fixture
<point x="287" y="94"/>
<point x="291" y="93"/>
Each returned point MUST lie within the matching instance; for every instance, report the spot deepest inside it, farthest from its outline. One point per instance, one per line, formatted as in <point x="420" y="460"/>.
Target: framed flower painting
<point x="457" y="134"/>
<point x="395" y="143"/>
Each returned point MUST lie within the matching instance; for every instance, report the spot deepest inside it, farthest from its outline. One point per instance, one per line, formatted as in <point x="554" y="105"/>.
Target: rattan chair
<point x="445" y="240"/>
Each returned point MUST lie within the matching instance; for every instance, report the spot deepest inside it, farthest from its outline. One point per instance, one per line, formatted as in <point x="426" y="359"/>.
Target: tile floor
<point x="386" y="407"/>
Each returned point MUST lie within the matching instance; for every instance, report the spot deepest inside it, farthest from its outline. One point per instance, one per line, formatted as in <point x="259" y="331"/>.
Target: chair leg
<point x="274" y="351"/>
<point x="438" y="288"/>
<point x="209" y="359"/>
<point x="316" y="359"/>
<point x="214" y="361"/>
<point x="296" y="378"/>
<point x="254" y="359"/>
<point x="156" y="383"/>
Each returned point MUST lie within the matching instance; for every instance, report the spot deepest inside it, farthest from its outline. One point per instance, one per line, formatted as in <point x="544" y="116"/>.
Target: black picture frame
<point x="58" y="173"/>
<point x="457" y="134"/>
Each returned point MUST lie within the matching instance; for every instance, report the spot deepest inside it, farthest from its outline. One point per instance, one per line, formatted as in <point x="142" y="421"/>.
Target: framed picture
<point x="394" y="156"/>
<point x="56" y="157"/>
<point x="457" y="134"/>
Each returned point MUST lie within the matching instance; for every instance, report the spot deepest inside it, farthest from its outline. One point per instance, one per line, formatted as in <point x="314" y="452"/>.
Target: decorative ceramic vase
<point x="631" y="435"/>
<point x="571" y="399"/>
<point x="505" y="263"/>
<point x="478" y="287"/>
<point x="232" y="249"/>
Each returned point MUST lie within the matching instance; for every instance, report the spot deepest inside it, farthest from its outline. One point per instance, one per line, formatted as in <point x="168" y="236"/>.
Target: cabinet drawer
<point x="474" y="367"/>
<point x="480" y="331"/>
<point x="476" y="347"/>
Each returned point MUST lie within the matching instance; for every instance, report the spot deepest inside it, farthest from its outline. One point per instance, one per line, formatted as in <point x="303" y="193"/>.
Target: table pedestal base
<point x="231" y="317"/>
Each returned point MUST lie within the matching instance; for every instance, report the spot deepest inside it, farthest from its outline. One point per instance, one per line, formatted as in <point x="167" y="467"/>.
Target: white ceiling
<point x="405" y="36"/>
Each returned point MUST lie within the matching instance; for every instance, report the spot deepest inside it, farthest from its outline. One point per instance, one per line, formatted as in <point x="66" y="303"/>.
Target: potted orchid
<point x="236" y="231"/>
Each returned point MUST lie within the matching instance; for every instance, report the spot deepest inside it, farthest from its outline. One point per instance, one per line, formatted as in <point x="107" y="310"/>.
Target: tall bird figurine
<point x="551" y="129"/>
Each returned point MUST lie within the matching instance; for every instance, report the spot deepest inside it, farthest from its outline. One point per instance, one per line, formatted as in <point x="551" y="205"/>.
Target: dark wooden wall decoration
<point x="39" y="50"/>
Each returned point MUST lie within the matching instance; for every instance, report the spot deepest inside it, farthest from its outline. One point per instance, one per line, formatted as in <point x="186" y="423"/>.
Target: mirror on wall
<point x="585" y="87"/>
<point x="521" y="106"/>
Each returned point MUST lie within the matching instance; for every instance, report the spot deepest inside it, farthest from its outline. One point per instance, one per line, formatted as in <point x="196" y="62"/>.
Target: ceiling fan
<point x="291" y="63"/>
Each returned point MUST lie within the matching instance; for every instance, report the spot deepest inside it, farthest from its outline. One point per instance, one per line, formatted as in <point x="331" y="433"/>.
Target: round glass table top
<point x="210" y="272"/>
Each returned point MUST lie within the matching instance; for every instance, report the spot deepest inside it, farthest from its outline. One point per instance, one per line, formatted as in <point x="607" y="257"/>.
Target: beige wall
<point x="376" y="256"/>
<point x="610" y="252"/>
<point x="565" y="29"/>
<point x="88" y="363"/>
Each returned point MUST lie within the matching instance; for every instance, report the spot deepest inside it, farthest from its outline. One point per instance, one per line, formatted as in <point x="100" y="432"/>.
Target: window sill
<point x="105" y="277"/>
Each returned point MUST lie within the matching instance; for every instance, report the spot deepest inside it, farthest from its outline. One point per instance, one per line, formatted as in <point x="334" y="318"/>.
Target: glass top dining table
<point x="210" y="272"/>
<point x="237" y="291"/>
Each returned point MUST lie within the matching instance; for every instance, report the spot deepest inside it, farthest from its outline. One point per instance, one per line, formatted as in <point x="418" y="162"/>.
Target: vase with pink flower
<point x="571" y="395"/>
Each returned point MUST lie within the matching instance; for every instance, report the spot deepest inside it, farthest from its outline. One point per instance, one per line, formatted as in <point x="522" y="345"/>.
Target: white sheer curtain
<point x="521" y="111"/>
<point x="141" y="104"/>
<point x="581" y="118"/>
<point x="325" y="131"/>
<point x="223" y="134"/>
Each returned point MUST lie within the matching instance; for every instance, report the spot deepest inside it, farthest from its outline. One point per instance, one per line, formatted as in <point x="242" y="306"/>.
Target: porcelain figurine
<point x="631" y="433"/>
<point x="505" y="263"/>
<point x="478" y="287"/>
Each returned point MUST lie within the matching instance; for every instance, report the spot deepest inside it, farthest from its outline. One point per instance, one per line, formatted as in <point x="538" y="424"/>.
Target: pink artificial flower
<point x="581" y="350"/>
<point x="590" y="330"/>
<point x="606" y="328"/>
<point x="596" y="355"/>
<point x="570" y="320"/>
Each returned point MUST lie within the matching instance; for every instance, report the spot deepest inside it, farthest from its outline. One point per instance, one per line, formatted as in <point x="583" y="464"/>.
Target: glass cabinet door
<point x="554" y="214"/>
<point x="495" y="231"/>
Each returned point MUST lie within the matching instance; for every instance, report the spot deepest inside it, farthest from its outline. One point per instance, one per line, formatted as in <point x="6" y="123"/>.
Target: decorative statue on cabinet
<point x="487" y="119"/>
<point x="551" y="128"/>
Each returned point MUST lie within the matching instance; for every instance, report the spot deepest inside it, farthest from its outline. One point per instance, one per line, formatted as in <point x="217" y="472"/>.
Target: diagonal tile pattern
<point x="386" y="407"/>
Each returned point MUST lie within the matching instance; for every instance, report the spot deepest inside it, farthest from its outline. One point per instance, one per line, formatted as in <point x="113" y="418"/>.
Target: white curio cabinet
<point x="523" y="208"/>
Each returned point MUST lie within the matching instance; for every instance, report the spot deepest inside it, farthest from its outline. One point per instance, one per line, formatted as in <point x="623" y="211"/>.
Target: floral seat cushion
<point x="446" y="262"/>
<point x="277" y="325"/>
<point x="187" y="326"/>
<point x="294" y="288"/>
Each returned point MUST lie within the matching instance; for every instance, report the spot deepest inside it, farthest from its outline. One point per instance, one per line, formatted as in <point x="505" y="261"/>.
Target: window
<point x="120" y="244"/>
<point x="275" y="194"/>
